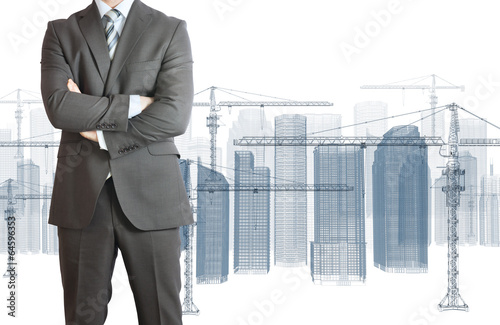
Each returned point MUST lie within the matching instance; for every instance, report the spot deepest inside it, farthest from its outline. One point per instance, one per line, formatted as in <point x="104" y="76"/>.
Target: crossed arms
<point x="167" y="116"/>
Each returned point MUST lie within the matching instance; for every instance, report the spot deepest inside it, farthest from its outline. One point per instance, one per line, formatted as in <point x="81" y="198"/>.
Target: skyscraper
<point x="251" y="216"/>
<point x="186" y="177"/>
<point x="400" y="210"/>
<point x="338" y="252"/>
<point x="212" y="246"/>
<point x="290" y="229"/>
<point x="28" y="224"/>
<point x="474" y="128"/>
<point x="4" y="191"/>
<point x="440" y="212"/>
<point x="250" y="122"/>
<point x="489" y="210"/>
<point x="50" y="240"/>
<point x="322" y="125"/>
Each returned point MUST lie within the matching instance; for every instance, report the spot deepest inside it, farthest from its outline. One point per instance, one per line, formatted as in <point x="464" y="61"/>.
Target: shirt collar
<point x="123" y="7"/>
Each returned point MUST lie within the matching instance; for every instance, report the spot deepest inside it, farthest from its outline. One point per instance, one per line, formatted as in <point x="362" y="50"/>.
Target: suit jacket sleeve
<point x="70" y="111"/>
<point x="169" y="115"/>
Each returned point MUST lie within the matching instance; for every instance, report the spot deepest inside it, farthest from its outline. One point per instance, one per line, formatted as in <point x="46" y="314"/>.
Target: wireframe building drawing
<point x="212" y="246"/>
<point x="338" y="252"/>
<point x="252" y="230"/>
<point x="324" y="125"/>
<point x="400" y="211"/>
<point x="290" y="228"/>
<point x="489" y="211"/>
<point x="186" y="177"/>
<point x="28" y="211"/>
<point x="474" y="128"/>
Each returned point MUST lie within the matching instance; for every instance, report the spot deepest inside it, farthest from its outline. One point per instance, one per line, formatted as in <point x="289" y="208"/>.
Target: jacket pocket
<point x="163" y="148"/>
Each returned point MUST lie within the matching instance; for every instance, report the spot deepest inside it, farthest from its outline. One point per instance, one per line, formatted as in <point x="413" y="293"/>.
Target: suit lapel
<point x="137" y="22"/>
<point x="93" y="31"/>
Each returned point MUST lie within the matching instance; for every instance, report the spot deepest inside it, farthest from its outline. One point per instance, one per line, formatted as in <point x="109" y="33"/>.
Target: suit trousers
<point x="87" y="257"/>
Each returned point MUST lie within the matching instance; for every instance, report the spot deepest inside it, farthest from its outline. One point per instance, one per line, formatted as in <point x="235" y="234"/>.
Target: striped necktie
<point x="111" y="33"/>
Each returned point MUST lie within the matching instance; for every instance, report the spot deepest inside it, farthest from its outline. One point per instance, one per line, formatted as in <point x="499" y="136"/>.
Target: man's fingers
<point x="72" y="86"/>
<point x="90" y="135"/>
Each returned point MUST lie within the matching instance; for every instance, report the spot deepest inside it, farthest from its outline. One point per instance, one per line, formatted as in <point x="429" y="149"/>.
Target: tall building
<point x="489" y="210"/>
<point x="466" y="212"/>
<point x="370" y="121"/>
<point x="212" y="231"/>
<point x="4" y="191"/>
<point x="290" y="207"/>
<point x="440" y="212"/>
<point x="250" y="122"/>
<point x="400" y="205"/>
<point x="252" y="233"/>
<point x="50" y="240"/>
<point x="338" y="252"/>
<point x="319" y="125"/>
<point x="474" y="128"/>
<point x="29" y="222"/>
<point x="186" y="177"/>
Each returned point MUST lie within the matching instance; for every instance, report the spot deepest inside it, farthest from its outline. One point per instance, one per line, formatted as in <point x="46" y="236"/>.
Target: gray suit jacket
<point x="152" y="58"/>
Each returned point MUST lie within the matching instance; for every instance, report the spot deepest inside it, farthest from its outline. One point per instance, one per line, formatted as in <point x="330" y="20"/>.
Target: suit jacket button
<point x="98" y="126"/>
<point x="120" y="151"/>
<point x="113" y="125"/>
<point x="107" y="126"/>
<point x="136" y="146"/>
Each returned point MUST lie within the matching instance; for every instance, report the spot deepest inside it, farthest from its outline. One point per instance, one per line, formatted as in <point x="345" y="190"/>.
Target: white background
<point x="292" y="49"/>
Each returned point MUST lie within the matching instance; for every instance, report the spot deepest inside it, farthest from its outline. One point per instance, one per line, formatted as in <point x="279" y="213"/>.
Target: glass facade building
<point x="338" y="252"/>
<point x="290" y="216"/>
<point x="400" y="205"/>
<point x="212" y="231"/>
<point x="489" y="211"/>
<point x="251" y="216"/>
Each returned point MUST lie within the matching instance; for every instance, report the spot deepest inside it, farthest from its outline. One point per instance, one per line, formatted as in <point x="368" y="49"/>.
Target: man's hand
<point x="90" y="135"/>
<point x="146" y="101"/>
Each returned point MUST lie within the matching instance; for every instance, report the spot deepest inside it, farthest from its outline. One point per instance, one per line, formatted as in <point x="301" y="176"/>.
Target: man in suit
<point x="117" y="80"/>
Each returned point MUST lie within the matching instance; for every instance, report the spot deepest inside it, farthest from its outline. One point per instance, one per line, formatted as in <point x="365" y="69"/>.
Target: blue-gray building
<point x="400" y="205"/>
<point x="212" y="231"/>
<point x="338" y="252"/>
<point x="186" y="177"/>
<point x="290" y="207"/>
<point x="489" y="210"/>
<point x="251" y="216"/>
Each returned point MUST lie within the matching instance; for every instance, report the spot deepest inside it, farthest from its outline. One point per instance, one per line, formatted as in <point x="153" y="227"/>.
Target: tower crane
<point x="19" y="115"/>
<point x="213" y="117"/>
<point x="432" y="92"/>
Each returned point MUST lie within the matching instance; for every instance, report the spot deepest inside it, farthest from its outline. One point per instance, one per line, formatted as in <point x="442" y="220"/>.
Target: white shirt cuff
<point x="102" y="142"/>
<point x="134" y="106"/>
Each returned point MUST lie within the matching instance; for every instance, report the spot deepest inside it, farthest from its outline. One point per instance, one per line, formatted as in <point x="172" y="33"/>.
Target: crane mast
<point x="453" y="300"/>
